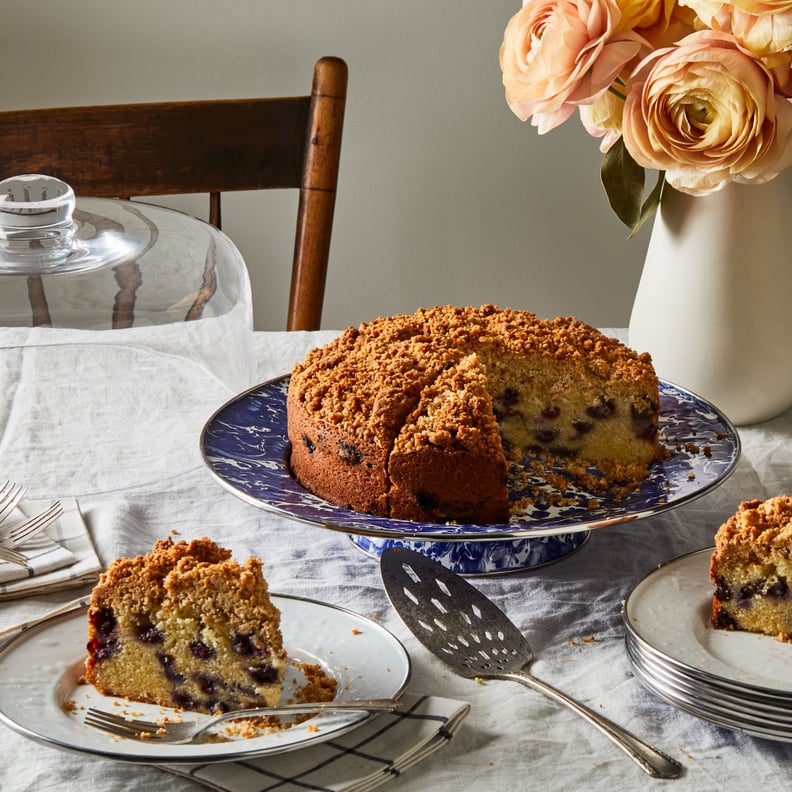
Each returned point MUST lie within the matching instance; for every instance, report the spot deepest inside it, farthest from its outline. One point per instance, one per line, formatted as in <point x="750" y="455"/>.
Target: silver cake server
<point x="469" y="633"/>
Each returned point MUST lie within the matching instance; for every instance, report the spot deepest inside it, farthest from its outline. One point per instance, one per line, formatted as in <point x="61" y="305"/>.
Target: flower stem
<point x="617" y="93"/>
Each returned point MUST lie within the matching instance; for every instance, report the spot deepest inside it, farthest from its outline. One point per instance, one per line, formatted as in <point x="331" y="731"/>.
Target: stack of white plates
<point x="737" y="680"/>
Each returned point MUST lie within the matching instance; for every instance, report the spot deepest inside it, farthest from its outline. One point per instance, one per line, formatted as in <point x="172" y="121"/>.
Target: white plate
<point x="668" y="612"/>
<point x="709" y="710"/>
<point x="41" y="696"/>
<point x="741" y="702"/>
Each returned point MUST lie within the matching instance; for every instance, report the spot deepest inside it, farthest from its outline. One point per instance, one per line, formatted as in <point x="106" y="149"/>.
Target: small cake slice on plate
<point x="186" y="626"/>
<point x="751" y="568"/>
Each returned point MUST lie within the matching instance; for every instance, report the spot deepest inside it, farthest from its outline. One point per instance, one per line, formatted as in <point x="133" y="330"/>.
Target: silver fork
<point x="166" y="731"/>
<point x="19" y="534"/>
<point x="10" y="495"/>
<point x="12" y="556"/>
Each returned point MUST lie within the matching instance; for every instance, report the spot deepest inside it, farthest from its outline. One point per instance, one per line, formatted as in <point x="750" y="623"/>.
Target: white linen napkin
<point x="60" y="557"/>
<point x="382" y="748"/>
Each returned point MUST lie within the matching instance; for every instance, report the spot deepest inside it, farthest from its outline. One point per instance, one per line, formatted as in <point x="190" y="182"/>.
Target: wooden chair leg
<point x="215" y="216"/>
<point x="38" y="302"/>
<point x="317" y="195"/>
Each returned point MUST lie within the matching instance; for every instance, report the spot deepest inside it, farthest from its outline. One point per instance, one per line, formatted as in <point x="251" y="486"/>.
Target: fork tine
<point x="33" y="524"/>
<point x="20" y="533"/>
<point x="117" y="729"/>
<point x="9" y="493"/>
<point x="118" y="723"/>
<point x="21" y="529"/>
<point x="139" y="725"/>
<point x="12" y="556"/>
<point x="102" y="715"/>
<point x="10" y="497"/>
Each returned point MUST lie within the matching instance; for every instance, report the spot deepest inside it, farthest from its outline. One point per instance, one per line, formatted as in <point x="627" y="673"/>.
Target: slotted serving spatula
<point x="469" y="633"/>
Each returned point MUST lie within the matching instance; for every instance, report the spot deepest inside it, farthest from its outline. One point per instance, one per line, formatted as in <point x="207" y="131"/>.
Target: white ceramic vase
<point x="714" y="303"/>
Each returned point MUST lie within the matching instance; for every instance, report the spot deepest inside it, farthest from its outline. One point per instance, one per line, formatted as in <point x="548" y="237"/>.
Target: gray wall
<point x="445" y="197"/>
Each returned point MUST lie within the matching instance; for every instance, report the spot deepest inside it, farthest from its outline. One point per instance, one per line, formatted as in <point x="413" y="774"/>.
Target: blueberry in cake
<point x="186" y="626"/>
<point x="415" y="416"/>
<point x="751" y="569"/>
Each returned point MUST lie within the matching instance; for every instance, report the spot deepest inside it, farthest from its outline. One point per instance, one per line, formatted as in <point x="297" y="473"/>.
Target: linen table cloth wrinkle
<point x="513" y="738"/>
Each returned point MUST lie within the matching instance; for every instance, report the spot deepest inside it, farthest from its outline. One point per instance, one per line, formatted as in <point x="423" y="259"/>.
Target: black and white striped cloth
<point x="382" y="748"/>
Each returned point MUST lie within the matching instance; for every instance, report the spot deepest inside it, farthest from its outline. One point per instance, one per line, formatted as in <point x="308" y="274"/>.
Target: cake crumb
<point x="317" y="686"/>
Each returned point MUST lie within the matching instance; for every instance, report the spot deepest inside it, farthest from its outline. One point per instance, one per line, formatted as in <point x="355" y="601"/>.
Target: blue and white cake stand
<point x="246" y="449"/>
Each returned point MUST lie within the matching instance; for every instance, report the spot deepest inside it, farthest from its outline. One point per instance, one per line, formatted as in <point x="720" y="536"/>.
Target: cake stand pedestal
<point x="485" y="557"/>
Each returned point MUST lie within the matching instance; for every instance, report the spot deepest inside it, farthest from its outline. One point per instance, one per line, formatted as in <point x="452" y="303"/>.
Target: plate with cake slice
<point x="734" y="678"/>
<point x="46" y="700"/>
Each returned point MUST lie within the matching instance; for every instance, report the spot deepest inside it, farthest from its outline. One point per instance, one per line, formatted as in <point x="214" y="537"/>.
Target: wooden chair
<point x="168" y="148"/>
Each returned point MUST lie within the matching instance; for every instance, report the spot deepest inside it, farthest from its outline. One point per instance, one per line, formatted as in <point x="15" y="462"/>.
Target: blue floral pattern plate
<point x="246" y="448"/>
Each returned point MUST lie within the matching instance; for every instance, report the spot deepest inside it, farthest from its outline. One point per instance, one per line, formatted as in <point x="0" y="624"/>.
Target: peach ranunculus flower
<point x="675" y="24"/>
<point x="765" y="34"/>
<point x="643" y="13"/>
<point x="662" y="23"/>
<point x="758" y="7"/>
<point x="707" y="113"/>
<point x="765" y="28"/>
<point x="559" y="54"/>
<point x="603" y="119"/>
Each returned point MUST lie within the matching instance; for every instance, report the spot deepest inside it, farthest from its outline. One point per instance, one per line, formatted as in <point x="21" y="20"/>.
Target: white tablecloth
<point x="118" y="429"/>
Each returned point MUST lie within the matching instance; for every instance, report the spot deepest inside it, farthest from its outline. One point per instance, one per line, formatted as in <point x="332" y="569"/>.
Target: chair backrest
<point x="168" y="148"/>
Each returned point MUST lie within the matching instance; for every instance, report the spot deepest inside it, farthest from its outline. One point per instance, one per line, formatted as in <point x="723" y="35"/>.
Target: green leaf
<point x="650" y="204"/>
<point x="623" y="180"/>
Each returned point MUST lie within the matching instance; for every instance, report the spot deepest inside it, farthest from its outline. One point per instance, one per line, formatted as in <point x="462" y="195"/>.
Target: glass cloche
<point x="123" y="273"/>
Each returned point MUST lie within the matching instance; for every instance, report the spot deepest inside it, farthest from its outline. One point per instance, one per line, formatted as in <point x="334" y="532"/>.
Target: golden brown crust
<point x="356" y="398"/>
<point x="562" y="338"/>
<point x="755" y="527"/>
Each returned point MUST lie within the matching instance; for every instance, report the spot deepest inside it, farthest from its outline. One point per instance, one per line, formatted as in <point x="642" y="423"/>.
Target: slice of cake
<point x="447" y="463"/>
<point x="751" y="569"/>
<point x="186" y="626"/>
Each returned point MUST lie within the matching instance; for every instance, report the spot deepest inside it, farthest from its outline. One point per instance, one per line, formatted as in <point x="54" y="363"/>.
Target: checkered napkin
<point x="60" y="557"/>
<point x="382" y="748"/>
